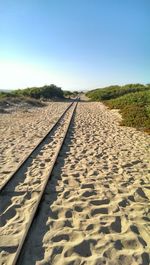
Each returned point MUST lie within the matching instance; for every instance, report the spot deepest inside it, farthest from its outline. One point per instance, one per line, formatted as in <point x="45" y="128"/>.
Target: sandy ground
<point x="22" y="193"/>
<point x="21" y="130"/>
<point x="95" y="210"/>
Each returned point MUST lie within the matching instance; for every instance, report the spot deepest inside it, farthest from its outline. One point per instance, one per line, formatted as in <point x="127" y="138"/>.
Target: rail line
<point x="33" y="150"/>
<point x="28" y="188"/>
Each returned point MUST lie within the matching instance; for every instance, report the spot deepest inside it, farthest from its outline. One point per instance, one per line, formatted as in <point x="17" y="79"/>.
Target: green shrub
<point x="47" y="92"/>
<point x="133" y="101"/>
<point x="115" y="91"/>
<point x="136" y="116"/>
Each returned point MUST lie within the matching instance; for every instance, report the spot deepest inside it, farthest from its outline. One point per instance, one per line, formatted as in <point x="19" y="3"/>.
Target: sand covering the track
<point x="95" y="210"/>
<point x="20" y="131"/>
<point x="96" y="207"/>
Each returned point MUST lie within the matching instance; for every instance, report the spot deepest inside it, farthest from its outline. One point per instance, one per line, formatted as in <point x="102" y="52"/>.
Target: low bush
<point x="46" y="92"/>
<point x="133" y="102"/>
<point x="112" y="92"/>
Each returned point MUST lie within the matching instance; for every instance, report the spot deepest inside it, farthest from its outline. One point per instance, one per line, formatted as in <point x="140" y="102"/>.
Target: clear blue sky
<point x="75" y="44"/>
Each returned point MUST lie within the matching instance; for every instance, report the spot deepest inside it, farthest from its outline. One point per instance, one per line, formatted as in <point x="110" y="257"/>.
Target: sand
<point x="20" y="130"/>
<point x="95" y="210"/>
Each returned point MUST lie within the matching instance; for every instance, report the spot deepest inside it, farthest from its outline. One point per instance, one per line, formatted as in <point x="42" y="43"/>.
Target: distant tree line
<point x="68" y="93"/>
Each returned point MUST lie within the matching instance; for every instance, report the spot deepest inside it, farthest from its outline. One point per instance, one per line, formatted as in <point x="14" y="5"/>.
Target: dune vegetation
<point x="45" y="92"/>
<point x="133" y="100"/>
<point x="69" y="94"/>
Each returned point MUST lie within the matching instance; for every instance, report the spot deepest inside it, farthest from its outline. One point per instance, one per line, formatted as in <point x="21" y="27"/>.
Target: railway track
<point x="5" y="182"/>
<point x="21" y="194"/>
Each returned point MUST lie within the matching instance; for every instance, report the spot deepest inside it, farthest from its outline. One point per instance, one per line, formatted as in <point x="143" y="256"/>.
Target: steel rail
<point x="34" y="149"/>
<point x="48" y="177"/>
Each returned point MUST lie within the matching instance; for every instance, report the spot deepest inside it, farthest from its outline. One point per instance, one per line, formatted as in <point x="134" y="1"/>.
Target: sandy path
<point x="21" y="130"/>
<point x="20" y="196"/>
<point x="96" y="207"/>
